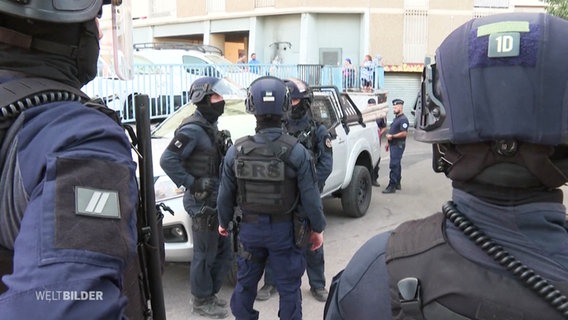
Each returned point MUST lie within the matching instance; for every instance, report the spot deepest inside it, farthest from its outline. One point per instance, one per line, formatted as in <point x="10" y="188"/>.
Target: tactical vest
<point x="15" y="97"/>
<point x="204" y="163"/>
<point x="308" y="138"/>
<point x="260" y="169"/>
<point x="451" y="286"/>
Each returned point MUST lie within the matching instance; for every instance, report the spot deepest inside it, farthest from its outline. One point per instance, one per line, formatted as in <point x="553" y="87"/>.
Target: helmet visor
<point x="228" y="90"/>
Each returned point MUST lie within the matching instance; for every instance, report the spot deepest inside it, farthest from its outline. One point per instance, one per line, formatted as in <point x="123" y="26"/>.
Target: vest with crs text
<point x="260" y="169"/>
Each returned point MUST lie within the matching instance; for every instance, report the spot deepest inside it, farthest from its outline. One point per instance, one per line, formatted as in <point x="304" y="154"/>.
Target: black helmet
<point x="267" y="95"/>
<point x="298" y="89"/>
<point x="495" y="102"/>
<point x="206" y="86"/>
<point x="68" y="11"/>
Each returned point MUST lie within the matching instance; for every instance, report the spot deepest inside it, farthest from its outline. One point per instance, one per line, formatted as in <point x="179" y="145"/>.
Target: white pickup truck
<point x="356" y="150"/>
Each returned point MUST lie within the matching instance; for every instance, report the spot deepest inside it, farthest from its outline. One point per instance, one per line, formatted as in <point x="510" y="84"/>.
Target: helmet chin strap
<point x="524" y="165"/>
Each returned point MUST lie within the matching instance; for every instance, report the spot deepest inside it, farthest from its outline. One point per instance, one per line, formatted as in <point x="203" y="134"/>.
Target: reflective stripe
<point x="97" y="203"/>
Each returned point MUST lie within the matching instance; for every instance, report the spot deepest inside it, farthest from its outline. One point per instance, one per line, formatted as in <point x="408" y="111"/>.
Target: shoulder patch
<point x="97" y="203"/>
<point x="178" y="143"/>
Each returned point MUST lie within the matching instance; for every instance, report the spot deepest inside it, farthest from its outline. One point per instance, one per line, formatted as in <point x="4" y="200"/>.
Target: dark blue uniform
<point x="396" y="147"/>
<point x="533" y="233"/>
<point x="322" y="151"/>
<point x="211" y="252"/>
<point x="68" y="199"/>
<point x="265" y="238"/>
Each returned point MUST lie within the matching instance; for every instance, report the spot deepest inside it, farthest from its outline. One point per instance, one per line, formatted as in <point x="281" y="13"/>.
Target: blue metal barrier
<point x="168" y="85"/>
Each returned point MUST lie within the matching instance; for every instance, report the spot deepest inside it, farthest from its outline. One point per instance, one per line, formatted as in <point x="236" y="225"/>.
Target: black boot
<point x="207" y="307"/>
<point x="398" y="187"/>
<point x="390" y="189"/>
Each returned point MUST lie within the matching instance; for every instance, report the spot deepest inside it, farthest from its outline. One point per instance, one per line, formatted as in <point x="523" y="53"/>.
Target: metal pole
<point x="149" y="206"/>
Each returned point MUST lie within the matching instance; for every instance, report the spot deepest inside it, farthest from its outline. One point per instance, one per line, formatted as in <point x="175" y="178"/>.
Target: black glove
<point x="202" y="185"/>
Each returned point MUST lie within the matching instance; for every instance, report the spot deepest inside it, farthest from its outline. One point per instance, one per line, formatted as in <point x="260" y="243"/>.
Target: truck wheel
<point x="356" y="198"/>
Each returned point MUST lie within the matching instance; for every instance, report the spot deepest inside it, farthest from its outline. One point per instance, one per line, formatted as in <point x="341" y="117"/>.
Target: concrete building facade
<point x="322" y="32"/>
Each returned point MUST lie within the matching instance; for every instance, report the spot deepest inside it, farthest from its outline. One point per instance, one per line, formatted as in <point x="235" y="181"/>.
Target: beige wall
<point x="440" y="26"/>
<point x="451" y="4"/>
<point x="390" y="4"/>
<point x="327" y="3"/>
<point x="239" y="6"/>
<point x="193" y="8"/>
<point x="387" y="39"/>
<point x="217" y="40"/>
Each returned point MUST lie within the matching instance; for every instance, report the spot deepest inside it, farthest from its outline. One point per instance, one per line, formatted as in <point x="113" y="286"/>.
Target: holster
<point x="301" y="230"/>
<point x="205" y="220"/>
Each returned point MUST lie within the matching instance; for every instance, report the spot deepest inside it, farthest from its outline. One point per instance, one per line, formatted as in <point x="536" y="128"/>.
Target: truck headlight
<point x="165" y="188"/>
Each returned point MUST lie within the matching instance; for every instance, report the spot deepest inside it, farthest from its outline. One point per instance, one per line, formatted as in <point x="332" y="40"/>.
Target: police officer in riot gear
<point x="269" y="176"/>
<point x="494" y="107"/>
<point x="68" y="190"/>
<point x="316" y="138"/>
<point x="192" y="160"/>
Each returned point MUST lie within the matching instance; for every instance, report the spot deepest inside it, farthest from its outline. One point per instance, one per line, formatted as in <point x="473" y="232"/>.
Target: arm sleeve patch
<point x="93" y="206"/>
<point x="178" y="143"/>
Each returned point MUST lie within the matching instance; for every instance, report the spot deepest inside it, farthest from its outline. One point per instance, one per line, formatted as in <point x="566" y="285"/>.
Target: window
<point x="415" y="36"/>
<point x="215" y="5"/>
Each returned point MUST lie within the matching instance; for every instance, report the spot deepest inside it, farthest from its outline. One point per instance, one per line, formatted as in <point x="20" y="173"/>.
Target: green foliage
<point x="558" y="8"/>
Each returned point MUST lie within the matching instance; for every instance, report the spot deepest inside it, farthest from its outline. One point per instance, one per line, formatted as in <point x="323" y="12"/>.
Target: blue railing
<point x="168" y="85"/>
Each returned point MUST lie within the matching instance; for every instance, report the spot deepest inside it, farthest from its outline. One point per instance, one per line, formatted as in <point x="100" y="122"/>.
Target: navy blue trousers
<point x="210" y="264"/>
<point x="315" y="269"/>
<point x="396" y="151"/>
<point x="271" y="243"/>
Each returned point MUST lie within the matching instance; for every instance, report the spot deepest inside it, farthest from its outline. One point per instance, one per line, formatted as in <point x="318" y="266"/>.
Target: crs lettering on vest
<point x="260" y="169"/>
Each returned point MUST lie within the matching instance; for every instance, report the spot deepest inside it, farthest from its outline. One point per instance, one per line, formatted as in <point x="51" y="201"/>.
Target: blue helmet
<point x="494" y="103"/>
<point x="498" y="77"/>
<point x="267" y="95"/>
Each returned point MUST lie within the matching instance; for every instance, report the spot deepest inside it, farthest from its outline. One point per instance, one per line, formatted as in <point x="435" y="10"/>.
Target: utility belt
<point x="205" y="220"/>
<point x="273" y="218"/>
<point x="301" y="225"/>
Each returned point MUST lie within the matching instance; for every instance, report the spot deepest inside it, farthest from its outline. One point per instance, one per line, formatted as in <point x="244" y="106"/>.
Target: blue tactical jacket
<point x="68" y="198"/>
<point x="533" y="233"/>
<point x="299" y="158"/>
<point x="188" y="139"/>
